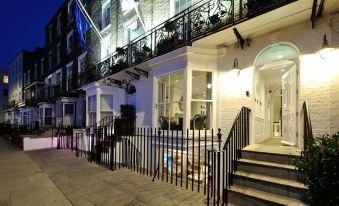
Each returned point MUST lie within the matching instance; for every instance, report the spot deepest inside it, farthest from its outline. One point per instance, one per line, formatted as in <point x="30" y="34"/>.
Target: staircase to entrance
<point x="265" y="175"/>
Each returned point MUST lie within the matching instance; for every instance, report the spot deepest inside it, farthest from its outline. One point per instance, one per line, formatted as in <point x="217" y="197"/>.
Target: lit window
<point x="106" y="14"/>
<point x="180" y="5"/>
<point x="5" y="79"/>
<point x="170" y="107"/>
<point x="133" y="29"/>
<point x="201" y="104"/>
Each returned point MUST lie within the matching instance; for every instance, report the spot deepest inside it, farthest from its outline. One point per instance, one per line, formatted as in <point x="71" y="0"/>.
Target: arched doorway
<point x="276" y="95"/>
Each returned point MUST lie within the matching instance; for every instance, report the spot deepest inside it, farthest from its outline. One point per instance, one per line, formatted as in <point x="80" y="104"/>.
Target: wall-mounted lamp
<point x="325" y="48"/>
<point x="236" y="66"/>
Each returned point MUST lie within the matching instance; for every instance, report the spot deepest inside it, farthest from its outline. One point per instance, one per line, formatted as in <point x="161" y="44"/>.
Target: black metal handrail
<point x="222" y="166"/>
<point x="307" y="126"/>
<point x="190" y="25"/>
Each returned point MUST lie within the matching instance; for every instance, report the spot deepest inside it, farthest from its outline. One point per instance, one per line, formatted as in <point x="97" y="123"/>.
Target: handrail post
<point x="76" y="145"/>
<point x="111" y="154"/>
<point x="219" y="139"/>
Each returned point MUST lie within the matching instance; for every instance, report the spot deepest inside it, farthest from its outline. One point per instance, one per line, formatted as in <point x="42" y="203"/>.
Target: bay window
<point x="170" y="108"/>
<point x="91" y="110"/>
<point x="106" y="14"/>
<point x="106" y="106"/>
<point x="201" y="100"/>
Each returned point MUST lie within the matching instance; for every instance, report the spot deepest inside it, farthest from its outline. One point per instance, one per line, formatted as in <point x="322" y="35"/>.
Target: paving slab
<point x="57" y="177"/>
<point x="86" y="183"/>
<point x="23" y="182"/>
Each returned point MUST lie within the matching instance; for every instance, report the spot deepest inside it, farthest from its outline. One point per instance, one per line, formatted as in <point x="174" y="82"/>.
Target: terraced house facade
<point x="260" y="71"/>
<point x="214" y="57"/>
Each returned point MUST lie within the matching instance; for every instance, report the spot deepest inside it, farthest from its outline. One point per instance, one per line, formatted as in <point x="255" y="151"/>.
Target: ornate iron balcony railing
<point x="190" y="25"/>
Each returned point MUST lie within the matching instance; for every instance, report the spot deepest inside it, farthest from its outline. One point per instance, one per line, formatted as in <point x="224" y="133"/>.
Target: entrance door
<point x="289" y="80"/>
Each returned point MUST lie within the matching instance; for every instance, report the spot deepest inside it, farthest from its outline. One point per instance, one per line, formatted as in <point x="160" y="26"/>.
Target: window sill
<point x="106" y="28"/>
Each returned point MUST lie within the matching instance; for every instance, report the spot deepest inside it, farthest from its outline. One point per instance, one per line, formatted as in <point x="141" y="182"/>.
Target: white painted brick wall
<point x="319" y="78"/>
<point x="334" y="22"/>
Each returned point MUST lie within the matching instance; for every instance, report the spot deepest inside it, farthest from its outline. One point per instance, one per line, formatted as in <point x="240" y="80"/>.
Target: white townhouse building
<point x="196" y="72"/>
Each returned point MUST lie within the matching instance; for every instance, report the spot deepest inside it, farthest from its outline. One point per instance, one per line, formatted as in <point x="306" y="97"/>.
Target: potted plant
<point x="140" y="54"/>
<point x="214" y="19"/>
<point x="318" y="166"/>
<point x="121" y="62"/>
<point x="125" y="123"/>
<point x="169" y="26"/>
<point x="146" y="48"/>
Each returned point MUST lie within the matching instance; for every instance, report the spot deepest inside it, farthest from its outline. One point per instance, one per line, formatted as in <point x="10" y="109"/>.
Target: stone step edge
<point x="270" y="179"/>
<point x="271" y="153"/>
<point x="267" y="164"/>
<point x="268" y="197"/>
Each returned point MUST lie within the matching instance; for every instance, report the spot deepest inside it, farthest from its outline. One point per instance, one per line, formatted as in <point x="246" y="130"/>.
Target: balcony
<point x="31" y="101"/>
<point x="33" y="81"/>
<point x="58" y="90"/>
<point x="199" y="21"/>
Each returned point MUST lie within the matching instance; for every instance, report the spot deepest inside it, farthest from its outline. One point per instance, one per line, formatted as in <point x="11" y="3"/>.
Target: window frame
<point x="105" y="6"/>
<point x="70" y="42"/>
<point x="50" y="33"/>
<point x="210" y="101"/>
<point x="42" y="67"/>
<point x="50" y="60"/>
<point x="59" y="22"/>
<point x="5" y="79"/>
<point x="58" y="53"/>
<point x="65" y="110"/>
<point x="82" y="59"/>
<point x="70" y="11"/>
<point x="168" y="102"/>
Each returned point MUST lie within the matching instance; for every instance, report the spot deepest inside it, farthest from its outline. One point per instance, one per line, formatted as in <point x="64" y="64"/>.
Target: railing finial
<point x="219" y="138"/>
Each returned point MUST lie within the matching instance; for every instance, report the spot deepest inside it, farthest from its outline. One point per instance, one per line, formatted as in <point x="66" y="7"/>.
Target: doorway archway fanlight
<point x="276" y="55"/>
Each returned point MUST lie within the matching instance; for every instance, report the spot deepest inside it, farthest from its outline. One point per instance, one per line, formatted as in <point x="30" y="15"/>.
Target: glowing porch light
<point x="326" y="49"/>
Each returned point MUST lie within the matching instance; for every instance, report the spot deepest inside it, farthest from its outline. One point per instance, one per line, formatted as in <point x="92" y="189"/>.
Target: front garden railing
<point x="191" y="159"/>
<point x="196" y="22"/>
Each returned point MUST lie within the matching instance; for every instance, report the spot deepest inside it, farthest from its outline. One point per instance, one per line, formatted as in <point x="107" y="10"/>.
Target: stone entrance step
<point x="243" y="196"/>
<point x="266" y="178"/>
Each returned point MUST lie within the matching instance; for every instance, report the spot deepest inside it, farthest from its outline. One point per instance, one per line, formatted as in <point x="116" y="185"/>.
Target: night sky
<point x="22" y="24"/>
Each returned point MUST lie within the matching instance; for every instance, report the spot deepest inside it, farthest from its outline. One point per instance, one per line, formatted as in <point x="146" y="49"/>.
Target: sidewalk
<point x="81" y="183"/>
<point x="23" y="182"/>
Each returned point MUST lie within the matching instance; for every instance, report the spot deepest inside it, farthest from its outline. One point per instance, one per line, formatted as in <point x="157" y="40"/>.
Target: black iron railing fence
<point x="201" y="20"/>
<point x="307" y="126"/>
<point x="192" y="159"/>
